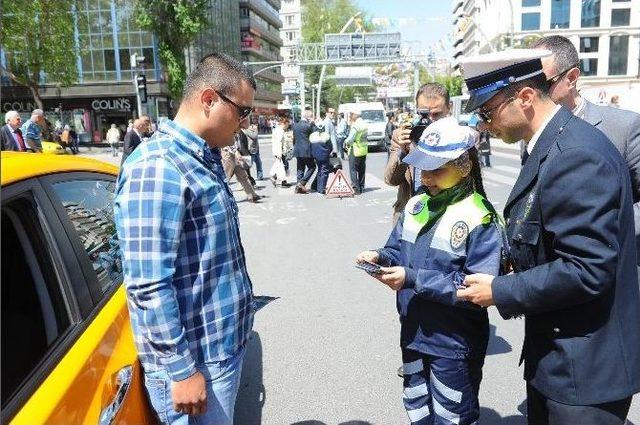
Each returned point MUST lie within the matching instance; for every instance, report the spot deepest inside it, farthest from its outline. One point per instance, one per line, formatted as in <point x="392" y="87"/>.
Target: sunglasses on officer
<point x="485" y="114"/>
<point x="243" y="111"/>
<point x="551" y="81"/>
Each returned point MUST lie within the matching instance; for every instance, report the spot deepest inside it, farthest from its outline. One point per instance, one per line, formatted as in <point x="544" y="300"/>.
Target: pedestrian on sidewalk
<point x="113" y="138"/>
<point x="254" y="149"/>
<point x="358" y="148"/>
<point x="185" y="272"/>
<point x="234" y="165"/>
<point x="11" y="137"/>
<point x="32" y="131"/>
<point x="342" y="131"/>
<point x="445" y="233"/>
<point x="278" y="144"/>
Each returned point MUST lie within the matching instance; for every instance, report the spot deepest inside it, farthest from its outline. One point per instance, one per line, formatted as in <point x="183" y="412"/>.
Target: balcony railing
<point x="264" y="9"/>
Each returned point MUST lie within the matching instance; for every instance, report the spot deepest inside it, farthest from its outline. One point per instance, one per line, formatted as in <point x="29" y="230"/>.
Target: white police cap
<point x="485" y="75"/>
<point x="441" y="142"/>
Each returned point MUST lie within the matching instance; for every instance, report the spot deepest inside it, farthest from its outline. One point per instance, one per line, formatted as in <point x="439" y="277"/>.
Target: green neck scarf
<point x="437" y="205"/>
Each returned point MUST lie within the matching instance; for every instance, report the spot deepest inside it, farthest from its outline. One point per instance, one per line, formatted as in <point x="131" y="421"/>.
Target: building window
<point x="560" y="13"/>
<point x="530" y="21"/>
<point x="530" y="3"/>
<point x="289" y="20"/>
<point x="589" y="44"/>
<point x="620" y="17"/>
<point x="590" y="13"/>
<point x="618" y="54"/>
<point x="589" y="67"/>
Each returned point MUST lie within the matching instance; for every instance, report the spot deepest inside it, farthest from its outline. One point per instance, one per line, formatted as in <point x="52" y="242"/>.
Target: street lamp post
<point x="324" y="67"/>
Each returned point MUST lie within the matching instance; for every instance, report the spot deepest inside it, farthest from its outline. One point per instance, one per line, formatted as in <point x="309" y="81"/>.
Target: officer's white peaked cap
<point x="485" y="75"/>
<point x="441" y="142"/>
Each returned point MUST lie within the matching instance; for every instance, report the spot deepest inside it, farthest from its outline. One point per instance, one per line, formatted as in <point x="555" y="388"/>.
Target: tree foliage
<point x="453" y="83"/>
<point x="38" y="41"/>
<point x="175" y="23"/>
<point x="320" y="17"/>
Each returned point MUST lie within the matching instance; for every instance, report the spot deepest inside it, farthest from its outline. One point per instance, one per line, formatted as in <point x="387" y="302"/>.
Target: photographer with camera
<point x="432" y="103"/>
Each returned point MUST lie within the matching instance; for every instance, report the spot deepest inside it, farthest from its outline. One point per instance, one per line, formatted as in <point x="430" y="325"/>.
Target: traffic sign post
<point x="339" y="187"/>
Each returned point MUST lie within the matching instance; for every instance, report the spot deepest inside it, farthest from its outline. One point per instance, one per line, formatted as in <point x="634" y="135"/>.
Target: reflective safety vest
<point x="359" y="146"/>
<point x="453" y="227"/>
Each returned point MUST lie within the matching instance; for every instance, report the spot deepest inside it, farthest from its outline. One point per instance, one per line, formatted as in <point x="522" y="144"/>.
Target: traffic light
<point x="136" y="61"/>
<point x="141" y="86"/>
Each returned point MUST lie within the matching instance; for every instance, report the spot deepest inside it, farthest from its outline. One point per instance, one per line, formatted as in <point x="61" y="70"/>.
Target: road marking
<point x="373" y="181"/>
<point x="489" y="175"/>
<point x="506" y="155"/>
<point x="508" y="169"/>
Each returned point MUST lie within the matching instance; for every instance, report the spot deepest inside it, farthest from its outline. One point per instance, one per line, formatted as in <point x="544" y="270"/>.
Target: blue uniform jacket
<point x="571" y="235"/>
<point x="433" y="320"/>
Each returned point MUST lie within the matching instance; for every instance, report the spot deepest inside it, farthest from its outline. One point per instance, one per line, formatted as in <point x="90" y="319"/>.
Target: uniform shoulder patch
<point x="417" y="208"/>
<point x="459" y="233"/>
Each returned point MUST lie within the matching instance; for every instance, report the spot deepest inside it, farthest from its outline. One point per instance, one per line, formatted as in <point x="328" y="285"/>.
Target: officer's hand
<point x="370" y="256"/>
<point x="393" y="277"/>
<point x="190" y="395"/>
<point x="478" y="290"/>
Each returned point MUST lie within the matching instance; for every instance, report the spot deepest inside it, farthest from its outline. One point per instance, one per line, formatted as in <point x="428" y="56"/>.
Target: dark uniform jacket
<point x="301" y="144"/>
<point x="8" y="143"/>
<point x="570" y="227"/>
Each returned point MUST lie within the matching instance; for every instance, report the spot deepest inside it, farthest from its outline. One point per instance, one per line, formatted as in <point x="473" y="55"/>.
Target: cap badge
<point x="432" y="139"/>
<point x="459" y="233"/>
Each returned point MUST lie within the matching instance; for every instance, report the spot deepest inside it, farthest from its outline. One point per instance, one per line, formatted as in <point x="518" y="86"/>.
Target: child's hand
<point x="370" y="256"/>
<point x="393" y="277"/>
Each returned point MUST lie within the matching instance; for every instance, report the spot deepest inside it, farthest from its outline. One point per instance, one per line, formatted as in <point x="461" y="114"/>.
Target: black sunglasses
<point x="243" y="111"/>
<point x="485" y="115"/>
<point x="551" y="81"/>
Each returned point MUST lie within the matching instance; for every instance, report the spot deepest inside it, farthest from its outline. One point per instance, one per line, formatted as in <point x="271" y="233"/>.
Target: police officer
<point x="571" y="234"/>
<point x="358" y="148"/>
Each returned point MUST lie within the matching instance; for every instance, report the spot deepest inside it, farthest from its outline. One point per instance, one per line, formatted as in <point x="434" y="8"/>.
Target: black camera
<point x="419" y="122"/>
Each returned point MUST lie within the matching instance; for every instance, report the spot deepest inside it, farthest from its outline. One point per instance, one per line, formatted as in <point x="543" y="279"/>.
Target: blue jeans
<point x="222" y="380"/>
<point x="258" y="161"/>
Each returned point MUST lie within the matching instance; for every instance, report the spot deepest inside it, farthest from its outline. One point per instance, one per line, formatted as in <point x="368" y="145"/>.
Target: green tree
<point x="320" y="17"/>
<point x="453" y="83"/>
<point x="175" y="23"/>
<point x="38" y="41"/>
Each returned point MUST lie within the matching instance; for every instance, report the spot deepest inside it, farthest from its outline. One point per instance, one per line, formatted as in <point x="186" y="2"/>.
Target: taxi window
<point x="89" y="205"/>
<point x="34" y="312"/>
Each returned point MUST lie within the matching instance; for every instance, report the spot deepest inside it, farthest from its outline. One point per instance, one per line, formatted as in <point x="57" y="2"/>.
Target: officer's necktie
<point x="525" y="156"/>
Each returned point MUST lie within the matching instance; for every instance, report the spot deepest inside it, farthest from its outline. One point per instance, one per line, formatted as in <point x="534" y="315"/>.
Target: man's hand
<point x="370" y="256"/>
<point x="190" y="395"/>
<point x="400" y="139"/>
<point x="393" y="277"/>
<point x="478" y="289"/>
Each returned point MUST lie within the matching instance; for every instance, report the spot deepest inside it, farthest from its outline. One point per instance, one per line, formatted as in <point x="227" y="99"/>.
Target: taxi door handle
<point x="123" y="381"/>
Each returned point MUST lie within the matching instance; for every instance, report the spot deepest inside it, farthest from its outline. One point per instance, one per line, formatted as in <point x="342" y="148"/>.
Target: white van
<point x="373" y="115"/>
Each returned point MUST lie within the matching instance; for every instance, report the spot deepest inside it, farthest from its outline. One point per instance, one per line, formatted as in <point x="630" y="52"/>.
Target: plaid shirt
<point x="31" y="130"/>
<point x="189" y="293"/>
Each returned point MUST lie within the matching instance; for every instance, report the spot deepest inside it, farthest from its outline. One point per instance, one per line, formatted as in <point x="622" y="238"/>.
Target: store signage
<point x="119" y="104"/>
<point x="19" y="106"/>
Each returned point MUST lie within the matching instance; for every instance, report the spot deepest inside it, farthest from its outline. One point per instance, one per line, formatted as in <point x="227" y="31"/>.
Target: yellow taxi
<point x="52" y="148"/>
<point x="68" y="355"/>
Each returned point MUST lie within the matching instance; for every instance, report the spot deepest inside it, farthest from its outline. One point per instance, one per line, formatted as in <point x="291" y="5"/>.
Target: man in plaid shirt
<point x="189" y="293"/>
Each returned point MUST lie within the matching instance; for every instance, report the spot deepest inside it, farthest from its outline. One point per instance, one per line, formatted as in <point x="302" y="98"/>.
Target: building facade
<point x="606" y="34"/>
<point x="107" y="36"/>
<point x="260" y="42"/>
<point x="291" y="16"/>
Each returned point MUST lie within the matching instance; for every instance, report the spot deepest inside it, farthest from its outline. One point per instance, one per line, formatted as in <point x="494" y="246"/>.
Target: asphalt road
<point x="325" y="344"/>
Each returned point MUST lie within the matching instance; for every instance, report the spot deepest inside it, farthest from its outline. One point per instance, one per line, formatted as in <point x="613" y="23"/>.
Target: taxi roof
<point x="18" y="166"/>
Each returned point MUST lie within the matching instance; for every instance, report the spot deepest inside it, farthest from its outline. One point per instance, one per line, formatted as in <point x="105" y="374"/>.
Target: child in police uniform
<point x="447" y="231"/>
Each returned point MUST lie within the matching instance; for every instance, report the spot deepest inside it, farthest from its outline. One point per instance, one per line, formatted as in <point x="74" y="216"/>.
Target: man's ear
<point x="208" y="97"/>
<point x="572" y="77"/>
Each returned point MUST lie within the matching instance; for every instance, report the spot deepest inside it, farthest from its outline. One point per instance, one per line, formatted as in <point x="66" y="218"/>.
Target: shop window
<point x="109" y="60"/>
<point x="34" y="312"/>
<point x="618" y="54"/>
<point x="89" y="204"/>
<point x="620" y="17"/>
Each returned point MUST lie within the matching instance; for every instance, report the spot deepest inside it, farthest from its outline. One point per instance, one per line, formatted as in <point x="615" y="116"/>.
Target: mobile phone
<point x="369" y="267"/>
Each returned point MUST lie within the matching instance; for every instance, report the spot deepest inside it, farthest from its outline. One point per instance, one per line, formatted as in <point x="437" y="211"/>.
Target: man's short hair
<point x="220" y="71"/>
<point x="431" y="90"/>
<point x="10" y="115"/>
<point x="539" y="83"/>
<point x="565" y="55"/>
<point x="38" y="112"/>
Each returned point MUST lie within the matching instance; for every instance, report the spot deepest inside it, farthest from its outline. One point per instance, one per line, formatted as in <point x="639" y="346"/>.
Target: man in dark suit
<point x="620" y="126"/>
<point x="571" y="245"/>
<point x="10" y="133"/>
<point x="133" y="138"/>
<point x="302" y="150"/>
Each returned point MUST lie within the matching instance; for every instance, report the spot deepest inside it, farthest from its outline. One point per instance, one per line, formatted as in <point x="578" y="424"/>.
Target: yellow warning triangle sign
<point x="339" y="187"/>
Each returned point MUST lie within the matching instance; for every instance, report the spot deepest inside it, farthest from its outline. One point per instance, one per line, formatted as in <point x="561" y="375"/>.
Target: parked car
<point x="67" y="354"/>
<point x="373" y="114"/>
